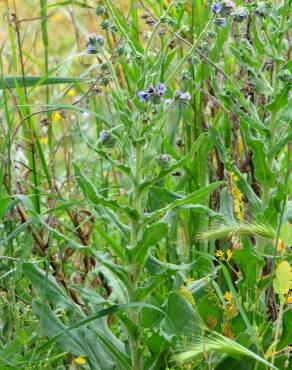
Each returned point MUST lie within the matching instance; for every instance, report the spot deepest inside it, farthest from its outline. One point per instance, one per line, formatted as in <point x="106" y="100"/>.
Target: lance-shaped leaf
<point x="263" y="172"/>
<point x="152" y="235"/>
<point x="186" y="202"/>
<point x="19" y="81"/>
<point x="91" y="193"/>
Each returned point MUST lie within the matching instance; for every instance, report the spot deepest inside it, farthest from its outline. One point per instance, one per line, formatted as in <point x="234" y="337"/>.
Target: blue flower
<point x="143" y="96"/>
<point x="216" y="8"/>
<point x="102" y="135"/>
<point x="182" y="96"/>
<point x="107" y="139"/>
<point x="161" y="89"/>
<point x="93" y="43"/>
<point x="153" y="94"/>
<point x="220" y="22"/>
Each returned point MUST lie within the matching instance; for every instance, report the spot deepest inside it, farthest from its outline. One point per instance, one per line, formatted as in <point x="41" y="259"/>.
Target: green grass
<point x="145" y="231"/>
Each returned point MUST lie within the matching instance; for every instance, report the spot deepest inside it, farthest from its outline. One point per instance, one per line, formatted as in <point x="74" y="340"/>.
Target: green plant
<point x="154" y="188"/>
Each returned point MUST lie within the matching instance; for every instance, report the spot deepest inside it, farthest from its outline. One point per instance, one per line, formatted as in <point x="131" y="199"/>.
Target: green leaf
<point x="263" y="172"/>
<point x="280" y="101"/>
<point x="14" y="82"/>
<point x="282" y="280"/>
<point x="47" y="286"/>
<point x="186" y="202"/>
<point x="218" y="142"/>
<point x="152" y="235"/>
<point x="90" y="192"/>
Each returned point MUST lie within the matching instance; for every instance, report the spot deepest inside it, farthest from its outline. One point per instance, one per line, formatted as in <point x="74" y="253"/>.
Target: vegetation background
<point x="145" y="193"/>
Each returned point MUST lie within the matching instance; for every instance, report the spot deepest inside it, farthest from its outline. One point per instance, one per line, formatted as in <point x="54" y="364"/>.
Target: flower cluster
<point x="222" y="10"/>
<point x="107" y="139"/>
<point x="164" y="160"/>
<point x="94" y="43"/>
<point x="237" y="197"/>
<point x="153" y="94"/>
<point x="179" y="100"/>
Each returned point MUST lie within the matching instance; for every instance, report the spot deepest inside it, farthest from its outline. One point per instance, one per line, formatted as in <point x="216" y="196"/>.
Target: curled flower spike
<point x="240" y="14"/>
<point x="220" y="22"/>
<point x="216" y="8"/>
<point x="93" y="43"/>
<point x="227" y="7"/>
<point x="183" y="96"/>
<point x="107" y="139"/>
<point x="153" y="94"/>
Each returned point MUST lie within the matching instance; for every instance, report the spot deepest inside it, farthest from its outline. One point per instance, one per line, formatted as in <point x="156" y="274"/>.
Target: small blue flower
<point x="102" y="135"/>
<point x="153" y="94"/>
<point x="161" y="89"/>
<point x="220" y="22"/>
<point x="216" y="8"/>
<point x="182" y="96"/>
<point x="143" y="96"/>
<point x="107" y="139"/>
<point x="93" y="43"/>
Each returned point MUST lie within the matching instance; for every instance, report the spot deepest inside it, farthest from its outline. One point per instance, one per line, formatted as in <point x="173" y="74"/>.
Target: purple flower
<point x="107" y="139"/>
<point x="216" y="8"/>
<point x="182" y="96"/>
<point x="161" y="89"/>
<point x="93" y="43"/>
<point x="164" y="160"/>
<point x="220" y="22"/>
<point x="151" y="93"/>
<point x="143" y="96"/>
<point x="102" y="135"/>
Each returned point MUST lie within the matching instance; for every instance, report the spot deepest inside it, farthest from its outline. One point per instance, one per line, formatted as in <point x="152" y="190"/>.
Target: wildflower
<point x="80" y="360"/>
<point x="237" y="197"/>
<point x="94" y="43"/>
<point x="154" y="94"/>
<point x="227" y="7"/>
<point x="229" y="254"/>
<point x="228" y="296"/>
<point x="216" y="8"/>
<point x="56" y="117"/>
<point x="289" y="299"/>
<point x="240" y="14"/>
<point x="219" y="253"/>
<point x="43" y="140"/>
<point x="220" y="22"/>
<point x="71" y="92"/>
<point x="280" y="245"/>
<point x="107" y="139"/>
<point x="164" y="160"/>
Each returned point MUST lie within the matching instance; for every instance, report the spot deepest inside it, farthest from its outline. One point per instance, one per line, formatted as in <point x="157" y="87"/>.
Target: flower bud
<point x="107" y="139"/>
<point x="164" y="160"/>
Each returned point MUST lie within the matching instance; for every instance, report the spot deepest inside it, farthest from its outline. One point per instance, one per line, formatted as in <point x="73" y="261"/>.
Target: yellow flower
<point x="289" y="299"/>
<point x="43" y="140"/>
<point x="280" y="245"/>
<point x="229" y="254"/>
<point x="219" y="253"/>
<point x="71" y="92"/>
<point x="228" y="296"/>
<point x="56" y="117"/>
<point x="237" y="196"/>
<point x="80" y="360"/>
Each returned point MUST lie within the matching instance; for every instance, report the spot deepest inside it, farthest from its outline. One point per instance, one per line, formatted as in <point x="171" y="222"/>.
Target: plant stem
<point x="134" y="269"/>
<point x="277" y="332"/>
